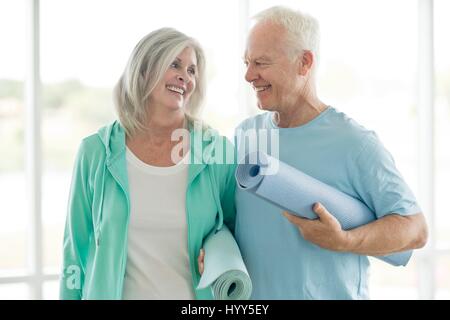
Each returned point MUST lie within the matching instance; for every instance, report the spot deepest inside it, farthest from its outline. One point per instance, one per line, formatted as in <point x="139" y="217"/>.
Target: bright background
<point x="368" y="70"/>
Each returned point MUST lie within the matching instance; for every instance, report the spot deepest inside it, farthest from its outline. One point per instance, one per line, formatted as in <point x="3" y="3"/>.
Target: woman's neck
<point x="155" y="143"/>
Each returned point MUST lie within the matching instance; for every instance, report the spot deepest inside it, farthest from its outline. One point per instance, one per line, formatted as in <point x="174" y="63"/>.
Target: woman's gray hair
<point x="146" y="66"/>
<point x="302" y="29"/>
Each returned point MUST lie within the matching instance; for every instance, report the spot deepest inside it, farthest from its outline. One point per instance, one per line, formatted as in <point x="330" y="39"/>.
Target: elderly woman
<point x="140" y="206"/>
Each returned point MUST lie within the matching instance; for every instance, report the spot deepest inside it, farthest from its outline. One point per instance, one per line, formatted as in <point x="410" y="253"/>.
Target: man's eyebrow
<point x="265" y="58"/>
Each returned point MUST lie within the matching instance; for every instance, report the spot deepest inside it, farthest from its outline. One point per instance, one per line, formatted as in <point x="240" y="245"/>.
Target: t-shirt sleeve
<point x="379" y="183"/>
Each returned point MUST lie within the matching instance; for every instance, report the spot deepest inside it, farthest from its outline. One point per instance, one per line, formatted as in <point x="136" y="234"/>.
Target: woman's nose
<point x="183" y="76"/>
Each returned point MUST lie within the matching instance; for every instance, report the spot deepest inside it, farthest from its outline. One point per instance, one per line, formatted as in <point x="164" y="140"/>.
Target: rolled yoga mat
<point x="295" y="191"/>
<point x="224" y="270"/>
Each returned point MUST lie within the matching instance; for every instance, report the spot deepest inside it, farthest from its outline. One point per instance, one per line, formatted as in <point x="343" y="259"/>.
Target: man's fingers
<point x="294" y="219"/>
<point x="325" y="216"/>
<point x="321" y="211"/>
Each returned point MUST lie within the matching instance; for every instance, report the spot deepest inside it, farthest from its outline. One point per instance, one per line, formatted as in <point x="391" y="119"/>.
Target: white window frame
<point x="426" y="110"/>
<point x="35" y="278"/>
<point x="426" y="89"/>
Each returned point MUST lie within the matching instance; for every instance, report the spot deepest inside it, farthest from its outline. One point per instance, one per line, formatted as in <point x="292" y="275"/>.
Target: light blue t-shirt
<point x="338" y="151"/>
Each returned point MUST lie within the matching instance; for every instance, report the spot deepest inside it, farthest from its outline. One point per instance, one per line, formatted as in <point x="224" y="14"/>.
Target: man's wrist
<point x="347" y="244"/>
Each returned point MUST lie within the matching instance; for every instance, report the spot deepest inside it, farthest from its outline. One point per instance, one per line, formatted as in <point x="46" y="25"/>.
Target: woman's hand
<point x="201" y="261"/>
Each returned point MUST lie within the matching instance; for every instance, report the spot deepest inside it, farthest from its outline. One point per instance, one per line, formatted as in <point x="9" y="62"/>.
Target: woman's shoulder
<point x="92" y="144"/>
<point x="218" y="146"/>
<point x="211" y="137"/>
<point x="107" y="137"/>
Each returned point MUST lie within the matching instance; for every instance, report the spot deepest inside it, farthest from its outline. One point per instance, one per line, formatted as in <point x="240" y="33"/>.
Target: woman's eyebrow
<point x="179" y="60"/>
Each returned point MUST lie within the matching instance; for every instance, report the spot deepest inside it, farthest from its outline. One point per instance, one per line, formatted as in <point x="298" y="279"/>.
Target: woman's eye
<point x="174" y="65"/>
<point x="191" y="71"/>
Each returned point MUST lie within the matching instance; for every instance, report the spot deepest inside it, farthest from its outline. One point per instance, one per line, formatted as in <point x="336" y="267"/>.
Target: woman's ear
<point x="305" y="62"/>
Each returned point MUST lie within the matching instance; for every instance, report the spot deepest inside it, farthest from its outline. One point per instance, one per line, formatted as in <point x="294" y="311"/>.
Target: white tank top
<point x="157" y="259"/>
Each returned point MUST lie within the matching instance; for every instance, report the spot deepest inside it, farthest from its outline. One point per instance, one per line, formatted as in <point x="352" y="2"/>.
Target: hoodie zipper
<point x="191" y="263"/>
<point x="124" y="249"/>
<point x="100" y="217"/>
<point x="216" y="197"/>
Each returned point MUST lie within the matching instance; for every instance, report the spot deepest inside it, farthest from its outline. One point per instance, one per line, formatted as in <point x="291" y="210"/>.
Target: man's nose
<point x="250" y="74"/>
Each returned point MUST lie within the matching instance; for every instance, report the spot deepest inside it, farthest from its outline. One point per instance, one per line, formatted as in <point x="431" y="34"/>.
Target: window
<point x="13" y="210"/>
<point x="442" y="160"/>
<point x="368" y="69"/>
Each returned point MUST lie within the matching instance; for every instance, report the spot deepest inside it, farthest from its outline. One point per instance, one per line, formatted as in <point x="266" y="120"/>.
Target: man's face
<point x="271" y="71"/>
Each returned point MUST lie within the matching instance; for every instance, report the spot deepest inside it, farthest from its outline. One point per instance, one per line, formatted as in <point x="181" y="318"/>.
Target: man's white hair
<point x="146" y="66"/>
<point x="302" y="30"/>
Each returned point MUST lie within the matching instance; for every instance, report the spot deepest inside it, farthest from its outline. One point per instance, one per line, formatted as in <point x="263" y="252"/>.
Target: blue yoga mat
<point x="224" y="268"/>
<point x="296" y="192"/>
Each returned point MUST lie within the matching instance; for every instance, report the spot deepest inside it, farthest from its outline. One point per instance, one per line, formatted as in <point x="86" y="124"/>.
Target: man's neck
<point x="301" y="113"/>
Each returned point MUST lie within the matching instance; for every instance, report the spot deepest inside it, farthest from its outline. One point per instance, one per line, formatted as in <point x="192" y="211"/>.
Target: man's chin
<point x="264" y="107"/>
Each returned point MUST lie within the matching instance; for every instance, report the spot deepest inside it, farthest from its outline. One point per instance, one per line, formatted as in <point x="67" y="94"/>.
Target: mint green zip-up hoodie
<point x="96" y="232"/>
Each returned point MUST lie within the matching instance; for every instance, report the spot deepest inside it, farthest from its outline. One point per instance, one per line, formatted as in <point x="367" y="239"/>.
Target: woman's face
<point x="177" y="84"/>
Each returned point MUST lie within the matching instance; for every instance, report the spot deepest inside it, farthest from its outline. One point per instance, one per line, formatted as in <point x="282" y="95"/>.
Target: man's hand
<point x="326" y="232"/>
<point x="201" y="261"/>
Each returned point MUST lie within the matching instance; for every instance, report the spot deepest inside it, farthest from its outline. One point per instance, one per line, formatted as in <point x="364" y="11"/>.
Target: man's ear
<point x="305" y="62"/>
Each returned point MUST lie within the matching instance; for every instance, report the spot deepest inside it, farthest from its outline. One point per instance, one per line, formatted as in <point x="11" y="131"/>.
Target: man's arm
<point x="389" y="234"/>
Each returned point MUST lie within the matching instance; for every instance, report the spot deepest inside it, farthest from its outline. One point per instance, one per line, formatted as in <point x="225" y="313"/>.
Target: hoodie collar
<point x="202" y="143"/>
<point x="113" y="138"/>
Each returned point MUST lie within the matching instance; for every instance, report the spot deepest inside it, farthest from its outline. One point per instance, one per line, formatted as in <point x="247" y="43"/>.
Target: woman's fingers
<point x="201" y="261"/>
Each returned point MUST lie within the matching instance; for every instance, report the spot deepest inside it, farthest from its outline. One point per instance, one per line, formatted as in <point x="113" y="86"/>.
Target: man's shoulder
<point x="346" y="128"/>
<point x="344" y="122"/>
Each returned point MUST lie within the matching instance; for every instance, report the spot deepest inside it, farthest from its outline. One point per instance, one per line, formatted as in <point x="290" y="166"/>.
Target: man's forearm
<point x="392" y="233"/>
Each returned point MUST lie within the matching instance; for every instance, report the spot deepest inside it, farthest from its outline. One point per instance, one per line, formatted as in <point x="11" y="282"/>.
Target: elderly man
<point x="293" y="258"/>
